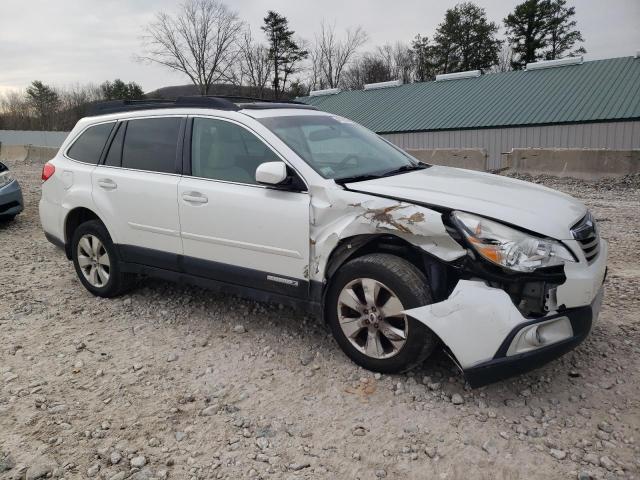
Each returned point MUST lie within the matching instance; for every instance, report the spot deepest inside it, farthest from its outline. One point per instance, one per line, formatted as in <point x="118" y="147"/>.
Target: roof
<point x="599" y="90"/>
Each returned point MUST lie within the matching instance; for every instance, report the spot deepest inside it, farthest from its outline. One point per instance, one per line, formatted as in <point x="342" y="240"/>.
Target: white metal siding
<point x="496" y="141"/>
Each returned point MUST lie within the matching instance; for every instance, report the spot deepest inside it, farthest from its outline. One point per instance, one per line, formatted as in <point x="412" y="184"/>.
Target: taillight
<point x="47" y="171"/>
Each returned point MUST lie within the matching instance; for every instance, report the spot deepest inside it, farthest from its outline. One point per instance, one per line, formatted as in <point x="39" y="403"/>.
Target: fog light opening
<point x="533" y="337"/>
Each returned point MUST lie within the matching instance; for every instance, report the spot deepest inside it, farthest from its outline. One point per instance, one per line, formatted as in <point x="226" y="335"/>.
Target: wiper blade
<point x="356" y="178"/>
<point x="371" y="176"/>
<point x="405" y="168"/>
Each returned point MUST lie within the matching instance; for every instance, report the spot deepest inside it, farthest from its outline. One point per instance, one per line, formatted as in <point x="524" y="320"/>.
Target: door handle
<point x="107" y="184"/>
<point x="194" y="197"/>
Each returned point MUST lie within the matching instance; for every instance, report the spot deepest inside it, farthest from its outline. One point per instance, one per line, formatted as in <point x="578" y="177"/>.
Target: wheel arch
<point x="76" y="217"/>
<point x="441" y="276"/>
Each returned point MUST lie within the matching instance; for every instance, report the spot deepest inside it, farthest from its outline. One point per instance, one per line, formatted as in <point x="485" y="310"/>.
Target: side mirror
<point x="271" y="173"/>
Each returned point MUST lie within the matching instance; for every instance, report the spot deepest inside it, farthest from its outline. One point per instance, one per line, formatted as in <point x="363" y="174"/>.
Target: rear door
<point x="233" y="229"/>
<point x="135" y="190"/>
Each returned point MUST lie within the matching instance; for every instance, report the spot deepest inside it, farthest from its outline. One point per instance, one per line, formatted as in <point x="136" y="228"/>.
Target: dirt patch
<point x="164" y="382"/>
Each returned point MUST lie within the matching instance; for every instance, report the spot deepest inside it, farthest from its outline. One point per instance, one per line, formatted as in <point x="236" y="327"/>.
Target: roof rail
<point x="115" y="106"/>
<point x="229" y="103"/>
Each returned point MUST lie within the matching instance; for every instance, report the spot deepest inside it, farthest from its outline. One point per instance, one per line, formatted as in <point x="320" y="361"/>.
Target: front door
<point x="234" y="230"/>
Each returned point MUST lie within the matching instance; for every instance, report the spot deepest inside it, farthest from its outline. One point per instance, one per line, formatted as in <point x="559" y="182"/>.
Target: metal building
<point x="568" y="103"/>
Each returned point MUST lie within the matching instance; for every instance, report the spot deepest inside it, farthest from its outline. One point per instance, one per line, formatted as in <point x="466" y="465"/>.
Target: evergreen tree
<point x="422" y="55"/>
<point x="541" y="29"/>
<point x="285" y="54"/>
<point x="118" y="90"/>
<point x="45" y="101"/>
<point x="466" y="40"/>
<point x="562" y="34"/>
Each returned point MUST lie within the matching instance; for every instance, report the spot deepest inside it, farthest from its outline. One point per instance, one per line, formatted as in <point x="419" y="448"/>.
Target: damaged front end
<point x="495" y="321"/>
<point x="497" y="324"/>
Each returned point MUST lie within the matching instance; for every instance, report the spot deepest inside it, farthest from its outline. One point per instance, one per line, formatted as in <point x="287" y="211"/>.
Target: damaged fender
<point x="473" y="322"/>
<point x="339" y="214"/>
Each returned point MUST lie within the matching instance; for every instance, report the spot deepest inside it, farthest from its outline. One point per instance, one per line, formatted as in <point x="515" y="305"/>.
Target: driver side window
<point x="222" y="150"/>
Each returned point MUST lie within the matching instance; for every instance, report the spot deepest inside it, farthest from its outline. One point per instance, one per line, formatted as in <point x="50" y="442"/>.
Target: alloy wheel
<point x="370" y="315"/>
<point x="93" y="260"/>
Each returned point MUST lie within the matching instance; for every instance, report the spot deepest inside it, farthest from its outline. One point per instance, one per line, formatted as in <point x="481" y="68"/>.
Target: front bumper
<point x="489" y="337"/>
<point x="503" y="366"/>
<point x="11" y="201"/>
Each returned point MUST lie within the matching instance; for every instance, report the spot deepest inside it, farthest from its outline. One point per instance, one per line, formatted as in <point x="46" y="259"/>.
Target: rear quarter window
<point x="89" y="145"/>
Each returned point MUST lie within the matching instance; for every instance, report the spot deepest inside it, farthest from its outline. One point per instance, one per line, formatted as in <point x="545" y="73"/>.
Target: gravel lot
<point x="178" y="382"/>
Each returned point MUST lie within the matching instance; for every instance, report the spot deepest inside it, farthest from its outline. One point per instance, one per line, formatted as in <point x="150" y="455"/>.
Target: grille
<point x="586" y="233"/>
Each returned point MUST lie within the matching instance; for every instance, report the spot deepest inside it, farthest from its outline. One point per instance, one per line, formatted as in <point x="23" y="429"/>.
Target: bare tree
<point x="332" y="54"/>
<point x="199" y="41"/>
<point x="15" y="111"/>
<point x="255" y="65"/>
<point x="505" y="59"/>
<point x="398" y="61"/>
<point x="74" y="103"/>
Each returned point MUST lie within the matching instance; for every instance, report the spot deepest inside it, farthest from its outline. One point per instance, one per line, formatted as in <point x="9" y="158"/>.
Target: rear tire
<point x="362" y="309"/>
<point x="96" y="261"/>
<point x="7" y="218"/>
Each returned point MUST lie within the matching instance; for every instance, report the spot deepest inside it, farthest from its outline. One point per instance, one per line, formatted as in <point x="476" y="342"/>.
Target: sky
<point x="68" y="42"/>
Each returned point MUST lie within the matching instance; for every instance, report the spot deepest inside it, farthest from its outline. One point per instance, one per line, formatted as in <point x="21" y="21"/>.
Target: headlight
<point x="5" y="179"/>
<point x="509" y="247"/>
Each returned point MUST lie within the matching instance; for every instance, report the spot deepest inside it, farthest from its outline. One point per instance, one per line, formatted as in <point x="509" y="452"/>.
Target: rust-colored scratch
<point x="417" y="217"/>
<point x="383" y="215"/>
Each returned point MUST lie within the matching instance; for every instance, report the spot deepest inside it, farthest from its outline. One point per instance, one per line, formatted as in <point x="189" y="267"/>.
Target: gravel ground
<point x="178" y="382"/>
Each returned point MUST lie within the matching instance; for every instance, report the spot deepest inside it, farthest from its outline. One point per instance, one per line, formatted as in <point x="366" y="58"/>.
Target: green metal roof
<point x="600" y="90"/>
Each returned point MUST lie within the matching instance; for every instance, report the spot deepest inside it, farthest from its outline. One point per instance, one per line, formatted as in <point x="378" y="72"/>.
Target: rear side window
<point x="88" y="147"/>
<point x="151" y="144"/>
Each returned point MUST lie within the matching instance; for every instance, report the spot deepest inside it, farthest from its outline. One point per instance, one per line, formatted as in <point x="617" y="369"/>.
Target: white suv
<point x="279" y="201"/>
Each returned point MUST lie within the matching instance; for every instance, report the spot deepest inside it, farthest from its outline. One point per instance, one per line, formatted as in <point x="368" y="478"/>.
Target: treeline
<point x="216" y="50"/>
<point x="42" y="107"/>
<point x="210" y="44"/>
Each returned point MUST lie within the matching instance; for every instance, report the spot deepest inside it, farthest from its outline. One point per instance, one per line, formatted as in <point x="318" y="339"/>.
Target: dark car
<point x="11" y="202"/>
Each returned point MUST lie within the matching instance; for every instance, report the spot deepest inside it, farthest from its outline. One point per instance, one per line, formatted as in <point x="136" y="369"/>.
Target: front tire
<point x="363" y="309"/>
<point x="96" y="261"/>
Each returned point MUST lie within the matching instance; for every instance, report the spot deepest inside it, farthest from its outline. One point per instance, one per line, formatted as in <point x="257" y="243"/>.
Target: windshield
<point x="339" y="149"/>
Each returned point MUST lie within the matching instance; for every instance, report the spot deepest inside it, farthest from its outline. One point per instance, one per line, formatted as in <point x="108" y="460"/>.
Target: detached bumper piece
<point x="11" y="202"/>
<point x="503" y="366"/>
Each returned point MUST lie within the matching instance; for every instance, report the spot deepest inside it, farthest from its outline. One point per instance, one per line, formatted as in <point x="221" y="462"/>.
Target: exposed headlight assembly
<point x="509" y="247"/>
<point x="5" y="178"/>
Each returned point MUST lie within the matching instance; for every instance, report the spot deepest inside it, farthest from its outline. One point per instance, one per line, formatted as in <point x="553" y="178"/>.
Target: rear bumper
<point x="11" y="201"/>
<point x="502" y="366"/>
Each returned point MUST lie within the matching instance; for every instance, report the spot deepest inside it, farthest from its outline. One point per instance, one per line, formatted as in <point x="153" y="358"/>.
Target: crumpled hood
<point x="528" y="205"/>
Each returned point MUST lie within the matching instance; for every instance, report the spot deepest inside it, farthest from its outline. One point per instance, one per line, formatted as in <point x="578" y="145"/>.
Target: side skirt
<point x="310" y="306"/>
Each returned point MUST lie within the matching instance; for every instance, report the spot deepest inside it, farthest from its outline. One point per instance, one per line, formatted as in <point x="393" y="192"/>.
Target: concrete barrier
<point x="469" y="158"/>
<point x="586" y="164"/>
<point x="26" y="154"/>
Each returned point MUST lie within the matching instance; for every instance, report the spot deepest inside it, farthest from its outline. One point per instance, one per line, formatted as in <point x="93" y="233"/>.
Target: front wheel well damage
<point x="442" y="278"/>
<point x="75" y="218"/>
